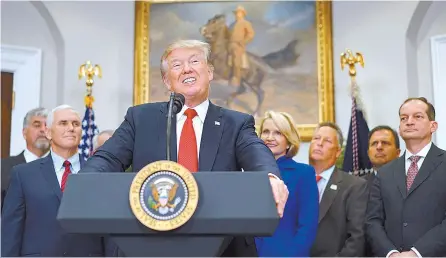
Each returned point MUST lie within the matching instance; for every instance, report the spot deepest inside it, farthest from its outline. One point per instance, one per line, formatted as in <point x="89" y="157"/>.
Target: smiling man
<point x="207" y="137"/>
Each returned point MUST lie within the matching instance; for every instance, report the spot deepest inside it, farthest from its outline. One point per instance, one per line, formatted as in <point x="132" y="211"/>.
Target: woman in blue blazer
<point x="297" y="229"/>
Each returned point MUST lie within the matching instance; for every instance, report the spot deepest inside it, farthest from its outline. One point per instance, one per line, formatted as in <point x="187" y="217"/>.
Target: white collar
<point x="327" y="173"/>
<point x="423" y="152"/>
<point x="58" y="160"/>
<point x="29" y="156"/>
<point x="201" y="109"/>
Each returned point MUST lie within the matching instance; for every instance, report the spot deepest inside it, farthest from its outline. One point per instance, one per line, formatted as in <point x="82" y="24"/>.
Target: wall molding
<point x="438" y="57"/>
<point x="26" y="65"/>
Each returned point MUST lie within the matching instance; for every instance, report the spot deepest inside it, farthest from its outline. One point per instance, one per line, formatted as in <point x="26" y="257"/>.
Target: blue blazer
<point x="29" y="225"/>
<point x="297" y="229"/>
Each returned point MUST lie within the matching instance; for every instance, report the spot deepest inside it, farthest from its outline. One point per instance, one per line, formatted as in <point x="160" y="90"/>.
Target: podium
<point x="230" y="204"/>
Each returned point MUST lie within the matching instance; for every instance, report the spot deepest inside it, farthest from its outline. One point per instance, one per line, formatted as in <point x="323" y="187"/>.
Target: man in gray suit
<point x="406" y="214"/>
<point x="342" y="198"/>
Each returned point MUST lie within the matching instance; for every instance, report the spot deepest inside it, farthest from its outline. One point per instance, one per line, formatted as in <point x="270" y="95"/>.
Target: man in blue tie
<point x="29" y="225"/>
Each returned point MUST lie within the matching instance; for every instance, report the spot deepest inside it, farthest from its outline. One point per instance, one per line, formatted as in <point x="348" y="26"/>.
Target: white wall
<point x="69" y="33"/>
<point x="377" y="31"/>
<point x="22" y="25"/>
<point x="438" y="48"/>
<point x="437" y="27"/>
<point x="102" y="32"/>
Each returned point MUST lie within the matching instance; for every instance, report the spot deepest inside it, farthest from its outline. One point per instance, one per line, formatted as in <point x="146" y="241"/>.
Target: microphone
<point x="176" y="102"/>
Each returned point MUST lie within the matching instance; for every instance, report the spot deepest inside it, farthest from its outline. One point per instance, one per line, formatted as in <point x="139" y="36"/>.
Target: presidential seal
<point x="163" y="195"/>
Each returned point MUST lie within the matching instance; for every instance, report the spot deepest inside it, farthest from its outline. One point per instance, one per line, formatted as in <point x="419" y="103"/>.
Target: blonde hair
<point x="286" y="125"/>
<point x="189" y="43"/>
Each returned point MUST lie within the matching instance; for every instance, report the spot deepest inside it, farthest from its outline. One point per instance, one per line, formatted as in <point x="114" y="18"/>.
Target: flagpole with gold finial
<point x="89" y="71"/>
<point x="347" y="58"/>
<point x="89" y="128"/>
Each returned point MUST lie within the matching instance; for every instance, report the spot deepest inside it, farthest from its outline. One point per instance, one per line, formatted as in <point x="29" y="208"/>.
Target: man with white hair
<point x="205" y="137"/>
<point x="29" y="225"/>
<point x="37" y="145"/>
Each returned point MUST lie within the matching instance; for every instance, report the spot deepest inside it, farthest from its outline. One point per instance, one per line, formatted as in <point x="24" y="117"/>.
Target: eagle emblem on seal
<point x="163" y="198"/>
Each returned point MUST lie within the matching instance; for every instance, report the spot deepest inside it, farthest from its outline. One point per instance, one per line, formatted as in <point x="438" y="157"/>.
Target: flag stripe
<point x="356" y="159"/>
<point x="89" y="130"/>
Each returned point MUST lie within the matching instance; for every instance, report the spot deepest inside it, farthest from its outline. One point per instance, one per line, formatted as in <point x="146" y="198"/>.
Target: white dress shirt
<point x="29" y="156"/>
<point x="60" y="169"/>
<point x="422" y="153"/>
<point x="322" y="184"/>
<point x="197" y="123"/>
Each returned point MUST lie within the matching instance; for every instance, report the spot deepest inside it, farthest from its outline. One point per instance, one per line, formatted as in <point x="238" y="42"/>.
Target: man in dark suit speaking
<point x="207" y="137"/>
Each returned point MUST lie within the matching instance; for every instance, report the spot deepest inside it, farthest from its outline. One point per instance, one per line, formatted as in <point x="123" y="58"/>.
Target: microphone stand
<point x="169" y="125"/>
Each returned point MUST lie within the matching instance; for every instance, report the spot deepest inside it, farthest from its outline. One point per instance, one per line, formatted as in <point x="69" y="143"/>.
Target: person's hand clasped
<point x="280" y="192"/>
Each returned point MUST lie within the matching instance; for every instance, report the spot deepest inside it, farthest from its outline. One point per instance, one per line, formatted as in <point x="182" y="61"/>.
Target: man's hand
<point x="280" y="192"/>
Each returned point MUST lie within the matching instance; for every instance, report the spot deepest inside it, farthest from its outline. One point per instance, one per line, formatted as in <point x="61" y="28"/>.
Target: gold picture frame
<point x="323" y="13"/>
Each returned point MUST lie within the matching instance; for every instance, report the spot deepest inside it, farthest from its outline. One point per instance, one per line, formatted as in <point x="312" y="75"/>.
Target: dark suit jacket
<point x="228" y="143"/>
<point x="7" y="165"/>
<point x="29" y="225"/>
<point x="342" y="211"/>
<point x="398" y="219"/>
<point x="370" y="177"/>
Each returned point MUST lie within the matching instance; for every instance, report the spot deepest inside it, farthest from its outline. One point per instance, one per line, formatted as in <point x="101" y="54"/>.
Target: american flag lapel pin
<point x="217" y="123"/>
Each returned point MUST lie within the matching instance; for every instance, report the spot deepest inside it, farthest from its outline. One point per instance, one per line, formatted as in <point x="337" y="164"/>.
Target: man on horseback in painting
<point x="240" y="34"/>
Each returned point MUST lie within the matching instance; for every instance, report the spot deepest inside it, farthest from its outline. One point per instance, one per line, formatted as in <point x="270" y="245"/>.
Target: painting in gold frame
<point x="147" y="81"/>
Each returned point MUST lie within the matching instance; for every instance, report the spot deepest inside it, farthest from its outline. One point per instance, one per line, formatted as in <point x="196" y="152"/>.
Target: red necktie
<point x="412" y="171"/>
<point x="187" y="153"/>
<point x="67" y="171"/>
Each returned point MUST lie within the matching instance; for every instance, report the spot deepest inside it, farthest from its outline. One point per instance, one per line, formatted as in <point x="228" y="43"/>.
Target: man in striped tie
<point x="29" y="226"/>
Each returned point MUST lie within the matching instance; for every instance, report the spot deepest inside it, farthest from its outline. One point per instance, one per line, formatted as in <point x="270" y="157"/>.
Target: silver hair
<point x="95" y="138"/>
<point x="190" y="43"/>
<point x="50" y="118"/>
<point x="40" y="111"/>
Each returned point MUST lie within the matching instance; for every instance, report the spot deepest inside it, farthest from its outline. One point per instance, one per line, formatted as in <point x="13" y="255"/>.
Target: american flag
<point x="89" y="130"/>
<point x="356" y="159"/>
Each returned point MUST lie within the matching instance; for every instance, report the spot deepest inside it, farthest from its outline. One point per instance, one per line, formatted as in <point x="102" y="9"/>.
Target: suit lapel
<point x="81" y="161"/>
<point x="48" y="172"/>
<point x="400" y="175"/>
<point x="431" y="162"/>
<point x="329" y="194"/>
<point x="21" y="157"/>
<point x="210" y="138"/>
<point x="162" y="125"/>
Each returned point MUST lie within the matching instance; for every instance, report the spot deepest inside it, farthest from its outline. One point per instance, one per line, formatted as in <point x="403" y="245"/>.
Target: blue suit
<point x="298" y="227"/>
<point x="29" y="225"/>
<point x="228" y="143"/>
